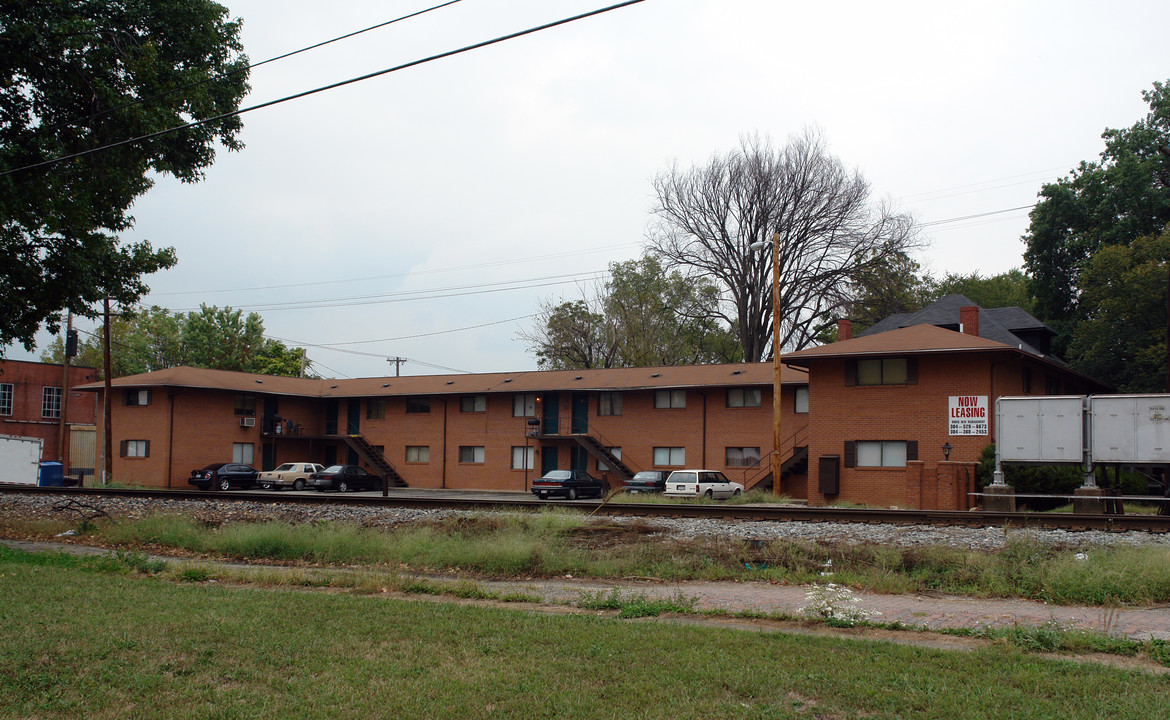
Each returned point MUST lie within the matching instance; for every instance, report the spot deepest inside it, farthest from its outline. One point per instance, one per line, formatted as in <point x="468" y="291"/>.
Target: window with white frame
<point x="473" y="403"/>
<point x="524" y="405"/>
<point x="471" y="453"/>
<point x="523" y="457"/>
<point x="672" y="456"/>
<point x="51" y="402"/>
<point x="800" y="400"/>
<point x="743" y="457"/>
<point x="243" y="453"/>
<point x="135" y="448"/>
<point x="418" y="453"/>
<point x="6" y="398"/>
<point x="743" y="397"/>
<point x="616" y="452"/>
<point x="884" y="453"/>
<point x="139" y="397"/>
<point x="670" y="398"/>
<point x="609" y="403"/>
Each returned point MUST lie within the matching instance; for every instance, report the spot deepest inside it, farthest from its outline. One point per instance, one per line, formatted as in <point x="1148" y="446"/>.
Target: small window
<point x="418" y="453"/>
<point x="242" y="453"/>
<point x="670" y="398"/>
<point x="245" y="404"/>
<point x="1051" y="385"/>
<point x="376" y="409"/>
<point x="5" y="398"/>
<point x="1026" y="380"/>
<point x="887" y="453"/>
<point x="524" y="405"/>
<point x="883" y="371"/>
<point x="473" y="403"/>
<point x="51" y="402"/>
<point x="523" y="457"/>
<point x="616" y="452"/>
<point x="609" y="403"/>
<point x="743" y="457"/>
<point x="415" y="406"/>
<point x="136" y="397"/>
<point x="135" y="448"/>
<point x="470" y="453"/>
<point x="671" y="456"/>
<point x="800" y="400"/>
<point x="743" y="397"/>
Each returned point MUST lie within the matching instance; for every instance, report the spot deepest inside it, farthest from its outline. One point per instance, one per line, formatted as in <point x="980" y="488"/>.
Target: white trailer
<point x="20" y="460"/>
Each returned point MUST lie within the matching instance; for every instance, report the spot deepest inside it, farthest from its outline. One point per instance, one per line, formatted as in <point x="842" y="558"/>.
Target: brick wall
<point x="28" y="380"/>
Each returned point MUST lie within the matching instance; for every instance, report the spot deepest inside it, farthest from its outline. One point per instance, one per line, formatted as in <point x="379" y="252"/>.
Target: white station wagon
<point x="294" y="475"/>
<point x="700" y="483"/>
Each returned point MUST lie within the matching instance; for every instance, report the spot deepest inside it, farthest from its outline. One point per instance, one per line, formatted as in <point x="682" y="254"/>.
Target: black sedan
<point x="223" y="476"/>
<point x="344" y="478"/>
<point x="647" y="481"/>
<point x="568" y="483"/>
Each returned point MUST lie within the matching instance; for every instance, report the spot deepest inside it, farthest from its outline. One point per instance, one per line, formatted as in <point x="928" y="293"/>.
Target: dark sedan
<point x="223" y="476"/>
<point x="647" y="481"/>
<point x="344" y="478"/>
<point x="570" y="484"/>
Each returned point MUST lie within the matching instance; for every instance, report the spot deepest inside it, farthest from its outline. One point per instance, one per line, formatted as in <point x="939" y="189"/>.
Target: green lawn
<point x="85" y="639"/>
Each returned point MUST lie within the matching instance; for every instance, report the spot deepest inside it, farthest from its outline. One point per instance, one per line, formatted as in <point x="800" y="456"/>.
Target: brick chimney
<point x="969" y="320"/>
<point x="844" y="330"/>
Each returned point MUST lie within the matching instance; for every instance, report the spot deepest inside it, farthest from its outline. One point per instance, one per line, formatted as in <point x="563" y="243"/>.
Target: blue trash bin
<point x="52" y="474"/>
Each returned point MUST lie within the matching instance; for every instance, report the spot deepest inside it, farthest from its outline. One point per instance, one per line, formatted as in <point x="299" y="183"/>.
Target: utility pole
<point x="69" y="349"/>
<point x="107" y="437"/>
<point x="397" y="364"/>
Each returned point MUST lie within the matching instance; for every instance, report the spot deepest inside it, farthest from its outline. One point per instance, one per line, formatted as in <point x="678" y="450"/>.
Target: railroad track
<point x="748" y="513"/>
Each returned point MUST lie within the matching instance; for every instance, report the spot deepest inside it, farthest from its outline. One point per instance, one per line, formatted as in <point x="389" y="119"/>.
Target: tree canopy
<point x="1123" y="196"/>
<point x="830" y="231"/>
<point x="216" y="338"/>
<point x="83" y="74"/>
<point x="645" y="316"/>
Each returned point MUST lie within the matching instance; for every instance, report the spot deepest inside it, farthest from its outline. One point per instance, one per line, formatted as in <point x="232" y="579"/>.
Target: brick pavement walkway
<point x="931" y="612"/>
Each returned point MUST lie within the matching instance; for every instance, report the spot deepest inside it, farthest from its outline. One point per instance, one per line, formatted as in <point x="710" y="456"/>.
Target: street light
<point x="776" y="402"/>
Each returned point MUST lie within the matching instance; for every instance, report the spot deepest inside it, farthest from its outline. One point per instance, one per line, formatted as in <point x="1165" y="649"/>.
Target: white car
<point x="294" y="475"/>
<point x="700" y="483"/>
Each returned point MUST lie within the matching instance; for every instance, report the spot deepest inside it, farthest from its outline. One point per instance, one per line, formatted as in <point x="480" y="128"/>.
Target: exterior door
<point x="353" y="416"/>
<point x="331" y="454"/>
<point x="580" y="424"/>
<point x="551" y="414"/>
<point x="331" y="420"/>
<point x="578" y="458"/>
<point x="548" y="458"/>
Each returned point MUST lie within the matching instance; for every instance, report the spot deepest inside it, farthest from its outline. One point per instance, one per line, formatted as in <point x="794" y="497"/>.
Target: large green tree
<point x="156" y="338"/>
<point x="76" y="75"/>
<point x="645" y="316"/>
<point x="1007" y="289"/>
<point x="1113" y="201"/>
<point x="1122" y="339"/>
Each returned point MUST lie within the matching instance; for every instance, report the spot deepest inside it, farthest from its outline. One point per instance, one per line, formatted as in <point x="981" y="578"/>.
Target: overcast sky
<point x="491" y="180"/>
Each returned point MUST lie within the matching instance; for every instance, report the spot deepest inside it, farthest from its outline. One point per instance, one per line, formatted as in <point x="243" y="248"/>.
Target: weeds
<point x="636" y="605"/>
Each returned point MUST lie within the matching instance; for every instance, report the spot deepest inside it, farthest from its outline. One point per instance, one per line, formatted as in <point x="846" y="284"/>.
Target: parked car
<point x="344" y="478"/>
<point x="569" y="483"/>
<point x="223" y="476"/>
<point x="294" y="475"/>
<point x="647" y="481"/>
<point x="696" y="483"/>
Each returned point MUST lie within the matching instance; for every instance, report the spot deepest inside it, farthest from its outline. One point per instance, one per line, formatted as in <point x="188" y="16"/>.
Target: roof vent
<point x="332" y="387"/>
<point x="450" y="382"/>
<point x="508" y="380"/>
<point x="386" y="385"/>
<point x="578" y="377"/>
<point x="656" y="375"/>
<point x="261" y="382"/>
<point x="737" y="372"/>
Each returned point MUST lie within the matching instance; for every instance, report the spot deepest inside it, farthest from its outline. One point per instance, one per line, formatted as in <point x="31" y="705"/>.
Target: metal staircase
<point x="795" y="463"/>
<point x="600" y="453"/>
<point x="374" y="458"/>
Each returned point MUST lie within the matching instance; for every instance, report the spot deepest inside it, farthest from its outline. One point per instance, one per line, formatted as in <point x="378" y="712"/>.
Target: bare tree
<point x="708" y="216"/>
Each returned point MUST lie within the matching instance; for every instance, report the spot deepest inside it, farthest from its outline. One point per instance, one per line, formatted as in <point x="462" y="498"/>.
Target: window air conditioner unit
<point x="247" y="422"/>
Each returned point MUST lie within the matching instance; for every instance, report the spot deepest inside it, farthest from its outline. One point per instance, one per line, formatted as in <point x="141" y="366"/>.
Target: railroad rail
<point x="614" y="506"/>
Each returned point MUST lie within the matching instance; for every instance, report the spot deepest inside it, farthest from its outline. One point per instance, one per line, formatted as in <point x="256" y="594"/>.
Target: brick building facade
<point x="31" y="401"/>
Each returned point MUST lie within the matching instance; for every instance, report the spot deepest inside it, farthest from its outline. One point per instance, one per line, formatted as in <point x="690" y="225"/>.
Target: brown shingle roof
<point x="918" y="339"/>
<point x="680" y="376"/>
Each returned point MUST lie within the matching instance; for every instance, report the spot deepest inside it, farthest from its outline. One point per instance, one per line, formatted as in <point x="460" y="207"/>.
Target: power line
<point x="977" y="215"/>
<point x="158" y="96"/>
<point x="333" y="86"/>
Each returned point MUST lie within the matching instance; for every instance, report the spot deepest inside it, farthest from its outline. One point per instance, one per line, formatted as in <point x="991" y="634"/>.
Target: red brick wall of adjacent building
<point x="28" y="381"/>
<point x="914" y="412"/>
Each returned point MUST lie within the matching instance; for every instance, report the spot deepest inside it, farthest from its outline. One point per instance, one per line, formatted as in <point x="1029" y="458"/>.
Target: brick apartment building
<point x="900" y="414"/>
<point x="894" y="417"/>
<point x="480" y="431"/>
<point x="31" y="400"/>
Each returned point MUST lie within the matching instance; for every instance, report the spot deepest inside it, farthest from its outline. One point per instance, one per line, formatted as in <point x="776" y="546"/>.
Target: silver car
<point x="294" y="475"/>
<point x="700" y="483"/>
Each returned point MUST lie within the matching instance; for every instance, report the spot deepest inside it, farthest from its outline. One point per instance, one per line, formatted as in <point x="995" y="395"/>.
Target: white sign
<point x="967" y="415"/>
